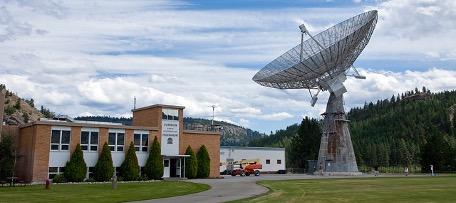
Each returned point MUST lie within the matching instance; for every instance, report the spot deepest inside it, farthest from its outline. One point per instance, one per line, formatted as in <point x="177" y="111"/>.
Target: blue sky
<point x="93" y="57"/>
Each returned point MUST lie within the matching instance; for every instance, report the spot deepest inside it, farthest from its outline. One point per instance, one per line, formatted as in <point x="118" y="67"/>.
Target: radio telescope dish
<point x="322" y="62"/>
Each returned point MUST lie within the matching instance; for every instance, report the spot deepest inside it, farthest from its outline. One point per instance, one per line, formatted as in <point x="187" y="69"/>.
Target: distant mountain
<point x="232" y="135"/>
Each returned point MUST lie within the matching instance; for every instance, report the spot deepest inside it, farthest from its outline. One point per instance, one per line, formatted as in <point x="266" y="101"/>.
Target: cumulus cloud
<point x="92" y="58"/>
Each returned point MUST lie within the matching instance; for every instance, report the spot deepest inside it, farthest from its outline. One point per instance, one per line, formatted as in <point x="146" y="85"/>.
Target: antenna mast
<point x="134" y="102"/>
<point x="213" y="114"/>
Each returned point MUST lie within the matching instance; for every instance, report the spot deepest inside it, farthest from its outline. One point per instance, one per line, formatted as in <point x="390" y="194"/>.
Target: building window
<point x="166" y="163"/>
<point x="279" y="161"/>
<point x="116" y="141"/>
<point x="268" y="161"/>
<point x="170" y="114"/>
<point x="89" y="141"/>
<point x="170" y="141"/>
<point x="60" y="140"/>
<point x="141" y="142"/>
<point x="53" y="171"/>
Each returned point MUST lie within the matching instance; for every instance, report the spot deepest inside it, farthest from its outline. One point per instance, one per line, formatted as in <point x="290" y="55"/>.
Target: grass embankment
<point x="383" y="190"/>
<point x="99" y="192"/>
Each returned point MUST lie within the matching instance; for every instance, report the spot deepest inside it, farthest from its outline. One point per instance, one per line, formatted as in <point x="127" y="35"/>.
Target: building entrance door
<point x="173" y="166"/>
<point x="166" y="167"/>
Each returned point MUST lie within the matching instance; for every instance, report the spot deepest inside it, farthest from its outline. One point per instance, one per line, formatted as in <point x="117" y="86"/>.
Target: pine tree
<point x="204" y="162"/>
<point x="129" y="170"/>
<point x="191" y="164"/>
<point x="154" y="165"/>
<point x="6" y="157"/>
<point x="104" y="169"/>
<point x="305" y="145"/>
<point x="76" y="168"/>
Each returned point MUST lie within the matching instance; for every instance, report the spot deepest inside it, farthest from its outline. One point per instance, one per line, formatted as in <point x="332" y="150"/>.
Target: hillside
<point x="231" y="134"/>
<point x="18" y="110"/>
<point x="415" y="128"/>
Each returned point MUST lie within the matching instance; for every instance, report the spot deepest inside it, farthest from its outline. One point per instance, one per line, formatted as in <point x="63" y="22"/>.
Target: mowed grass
<point x="384" y="190"/>
<point x="99" y="192"/>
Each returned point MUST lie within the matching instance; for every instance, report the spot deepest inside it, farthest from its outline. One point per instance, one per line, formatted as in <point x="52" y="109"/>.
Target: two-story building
<point x="45" y="146"/>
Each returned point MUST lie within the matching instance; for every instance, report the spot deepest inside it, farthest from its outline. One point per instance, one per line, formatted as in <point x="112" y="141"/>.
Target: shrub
<point x="76" y="168"/>
<point x="154" y="165"/>
<point x="9" y="110"/>
<point x="191" y="164"/>
<point x="58" y="179"/>
<point x="129" y="169"/>
<point x="18" y="104"/>
<point x="104" y="169"/>
<point x="204" y="163"/>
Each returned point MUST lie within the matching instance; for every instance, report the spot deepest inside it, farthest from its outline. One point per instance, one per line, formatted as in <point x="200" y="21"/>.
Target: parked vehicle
<point x="246" y="168"/>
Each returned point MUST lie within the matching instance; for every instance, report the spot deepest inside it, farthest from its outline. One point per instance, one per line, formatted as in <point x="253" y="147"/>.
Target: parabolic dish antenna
<point x="323" y="62"/>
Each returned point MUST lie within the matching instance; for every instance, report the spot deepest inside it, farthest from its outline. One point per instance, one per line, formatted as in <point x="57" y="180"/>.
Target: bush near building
<point x="129" y="170"/>
<point x="76" y="168"/>
<point x="191" y="164"/>
<point x="104" y="169"/>
<point x="203" y="162"/>
<point x="154" y="165"/>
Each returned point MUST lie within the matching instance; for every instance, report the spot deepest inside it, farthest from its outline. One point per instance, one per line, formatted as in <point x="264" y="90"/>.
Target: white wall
<point x="261" y="153"/>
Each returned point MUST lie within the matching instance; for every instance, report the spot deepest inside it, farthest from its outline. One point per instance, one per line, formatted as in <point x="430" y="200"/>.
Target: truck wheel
<point x="247" y="174"/>
<point x="257" y="173"/>
<point x="242" y="174"/>
<point x="233" y="173"/>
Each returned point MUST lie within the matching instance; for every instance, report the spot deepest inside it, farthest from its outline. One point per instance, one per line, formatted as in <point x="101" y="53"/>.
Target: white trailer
<point x="272" y="159"/>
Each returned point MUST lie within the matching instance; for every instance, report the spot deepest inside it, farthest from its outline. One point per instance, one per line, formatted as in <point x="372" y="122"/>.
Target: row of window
<point x="60" y="141"/>
<point x="269" y="161"/>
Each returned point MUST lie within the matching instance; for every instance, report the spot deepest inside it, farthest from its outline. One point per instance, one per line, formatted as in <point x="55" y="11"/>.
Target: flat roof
<point x="89" y="125"/>
<point x="158" y="105"/>
<point x="253" y="148"/>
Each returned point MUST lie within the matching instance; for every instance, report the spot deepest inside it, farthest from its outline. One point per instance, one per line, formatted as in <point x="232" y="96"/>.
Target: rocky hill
<point x="18" y="110"/>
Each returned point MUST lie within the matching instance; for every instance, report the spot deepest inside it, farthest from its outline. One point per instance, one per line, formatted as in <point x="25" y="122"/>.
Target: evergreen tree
<point x="104" y="169"/>
<point x="18" y="104"/>
<point x="76" y="168"/>
<point x="191" y="164"/>
<point x="305" y="145"/>
<point x="6" y="157"/>
<point x="129" y="170"/>
<point x="204" y="162"/>
<point x="154" y="165"/>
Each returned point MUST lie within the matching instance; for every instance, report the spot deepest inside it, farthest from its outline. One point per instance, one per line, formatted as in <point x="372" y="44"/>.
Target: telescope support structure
<point x="336" y="155"/>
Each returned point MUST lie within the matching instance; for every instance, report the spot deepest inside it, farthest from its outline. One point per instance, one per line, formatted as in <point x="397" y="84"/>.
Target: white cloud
<point x="92" y="58"/>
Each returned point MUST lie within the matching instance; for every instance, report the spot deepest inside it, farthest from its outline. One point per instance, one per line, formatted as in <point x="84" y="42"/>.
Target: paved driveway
<point x="229" y="188"/>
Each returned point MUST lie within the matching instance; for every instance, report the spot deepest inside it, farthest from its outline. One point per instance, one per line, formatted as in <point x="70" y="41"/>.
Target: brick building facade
<point x="45" y="146"/>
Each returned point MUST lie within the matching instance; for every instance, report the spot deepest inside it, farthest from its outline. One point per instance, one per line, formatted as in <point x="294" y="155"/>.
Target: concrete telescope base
<point x="336" y="155"/>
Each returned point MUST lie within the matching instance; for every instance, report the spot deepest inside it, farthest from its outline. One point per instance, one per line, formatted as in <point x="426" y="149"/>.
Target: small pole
<point x="114" y="181"/>
<point x="134" y="102"/>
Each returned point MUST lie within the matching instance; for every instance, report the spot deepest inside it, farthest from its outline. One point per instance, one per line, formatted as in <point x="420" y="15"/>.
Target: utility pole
<point x="213" y="114"/>
<point x="134" y="102"/>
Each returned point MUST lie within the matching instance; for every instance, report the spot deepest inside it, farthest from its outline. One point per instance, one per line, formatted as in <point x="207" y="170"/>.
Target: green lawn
<point x="99" y="192"/>
<point x="384" y="190"/>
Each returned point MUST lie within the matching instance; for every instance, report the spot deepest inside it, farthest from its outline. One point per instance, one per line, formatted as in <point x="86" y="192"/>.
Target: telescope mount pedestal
<point x="336" y="155"/>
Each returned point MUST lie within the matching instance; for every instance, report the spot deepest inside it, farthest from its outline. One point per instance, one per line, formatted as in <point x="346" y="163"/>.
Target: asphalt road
<point x="229" y="188"/>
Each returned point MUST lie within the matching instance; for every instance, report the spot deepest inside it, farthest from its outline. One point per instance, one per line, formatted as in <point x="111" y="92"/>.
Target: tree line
<point x="414" y="129"/>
